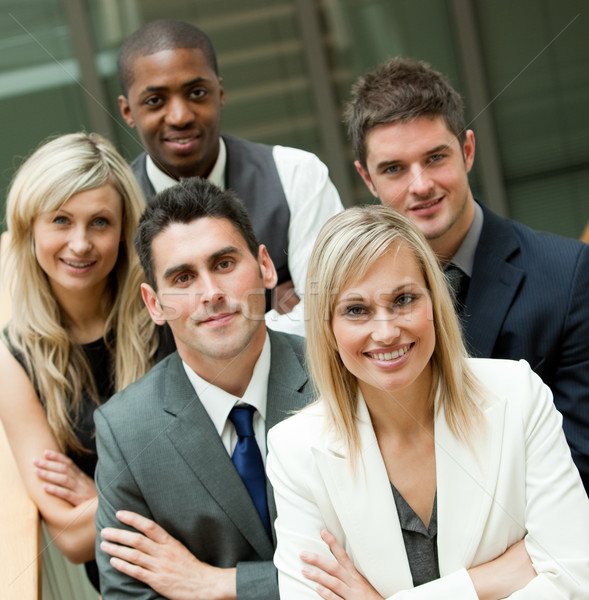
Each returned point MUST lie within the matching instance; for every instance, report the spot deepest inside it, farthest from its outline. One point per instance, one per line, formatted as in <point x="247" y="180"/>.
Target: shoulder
<point x="302" y="431"/>
<point x="512" y="382"/>
<point x="540" y="247"/>
<point x="289" y="340"/>
<point x="289" y="159"/>
<point x="144" y="395"/>
<point x="138" y="164"/>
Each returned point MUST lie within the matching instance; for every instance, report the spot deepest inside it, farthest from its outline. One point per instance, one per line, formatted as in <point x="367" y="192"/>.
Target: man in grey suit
<point x="174" y="513"/>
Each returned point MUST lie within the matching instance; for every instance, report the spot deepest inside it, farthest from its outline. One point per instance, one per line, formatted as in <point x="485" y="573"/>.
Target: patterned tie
<point x="248" y="461"/>
<point x="457" y="282"/>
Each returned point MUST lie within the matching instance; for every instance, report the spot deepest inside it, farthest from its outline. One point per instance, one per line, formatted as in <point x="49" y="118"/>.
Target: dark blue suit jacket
<point x="529" y="298"/>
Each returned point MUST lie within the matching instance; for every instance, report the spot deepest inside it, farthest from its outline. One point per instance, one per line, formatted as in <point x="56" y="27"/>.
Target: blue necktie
<point x="248" y="461"/>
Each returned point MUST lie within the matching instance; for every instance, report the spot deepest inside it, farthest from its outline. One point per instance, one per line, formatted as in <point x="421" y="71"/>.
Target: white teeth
<point x="77" y="265"/>
<point x="390" y="355"/>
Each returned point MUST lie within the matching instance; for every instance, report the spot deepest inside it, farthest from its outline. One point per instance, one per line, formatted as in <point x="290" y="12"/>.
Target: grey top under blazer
<point x="161" y="456"/>
<point x="251" y="173"/>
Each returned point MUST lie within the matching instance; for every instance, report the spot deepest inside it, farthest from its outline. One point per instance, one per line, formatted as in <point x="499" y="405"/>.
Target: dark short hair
<point x="191" y="199"/>
<point x="401" y="90"/>
<point x="156" y="36"/>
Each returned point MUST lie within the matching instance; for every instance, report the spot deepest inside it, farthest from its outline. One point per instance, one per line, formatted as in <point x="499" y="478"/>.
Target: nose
<point x="179" y="112"/>
<point x="80" y="242"/>
<point x="212" y="294"/>
<point x="421" y="184"/>
<point x="385" y="329"/>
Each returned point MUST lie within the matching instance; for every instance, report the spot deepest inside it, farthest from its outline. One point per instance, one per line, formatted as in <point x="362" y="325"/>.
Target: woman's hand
<point x="337" y="579"/>
<point x="64" y="479"/>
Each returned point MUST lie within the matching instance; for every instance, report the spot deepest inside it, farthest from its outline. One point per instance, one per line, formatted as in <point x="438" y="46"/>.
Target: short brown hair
<point x="401" y="90"/>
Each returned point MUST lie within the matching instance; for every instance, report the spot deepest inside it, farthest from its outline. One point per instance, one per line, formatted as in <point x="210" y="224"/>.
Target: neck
<point x="446" y="246"/>
<point x="233" y="374"/>
<point x="403" y="414"/>
<point x="84" y="314"/>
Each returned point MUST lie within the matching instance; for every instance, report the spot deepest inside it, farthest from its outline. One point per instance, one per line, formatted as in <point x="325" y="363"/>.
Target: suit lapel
<point x="366" y="509"/>
<point x="466" y="485"/>
<point x="493" y="285"/>
<point x="289" y="391"/>
<point x="195" y="438"/>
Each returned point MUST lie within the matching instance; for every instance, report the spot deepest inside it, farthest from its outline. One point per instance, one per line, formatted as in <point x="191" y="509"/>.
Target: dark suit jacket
<point x="160" y="455"/>
<point x="529" y="298"/>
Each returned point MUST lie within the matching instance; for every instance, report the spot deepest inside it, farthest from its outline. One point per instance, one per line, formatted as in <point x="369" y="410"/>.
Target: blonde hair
<point x="346" y="247"/>
<point x="65" y="166"/>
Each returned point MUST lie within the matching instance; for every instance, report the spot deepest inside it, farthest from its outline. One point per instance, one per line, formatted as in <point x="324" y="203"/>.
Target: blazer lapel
<point x="466" y="483"/>
<point x="195" y="438"/>
<point x="289" y="390"/>
<point x="366" y="509"/>
<point x="493" y="285"/>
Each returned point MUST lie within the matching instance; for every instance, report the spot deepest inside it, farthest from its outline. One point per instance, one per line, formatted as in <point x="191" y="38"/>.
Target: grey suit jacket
<point x="160" y="455"/>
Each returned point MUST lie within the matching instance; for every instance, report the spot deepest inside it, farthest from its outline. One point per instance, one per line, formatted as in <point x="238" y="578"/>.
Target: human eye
<point x="60" y="220"/>
<point x="393" y="169"/>
<point x="182" y="279"/>
<point x="198" y="93"/>
<point x="355" y="311"/>
<point x="436" y="157"/>
<point x="153" y="101"/>
<point x="101" y="222"/>
<point x="226" y="264"/>
<point x="405" y="299"/>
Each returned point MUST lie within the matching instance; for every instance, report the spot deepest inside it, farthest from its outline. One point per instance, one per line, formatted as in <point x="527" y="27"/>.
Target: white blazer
<point x="520" y="481"/>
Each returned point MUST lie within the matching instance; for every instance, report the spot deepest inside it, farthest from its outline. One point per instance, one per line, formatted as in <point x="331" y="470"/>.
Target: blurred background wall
<point x="287" y="67"/>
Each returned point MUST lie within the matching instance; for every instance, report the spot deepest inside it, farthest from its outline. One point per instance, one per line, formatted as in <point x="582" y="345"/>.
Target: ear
<point x="221" y="93"/>
<point x="153" y="304"/>
<point x="125" y="109"/>
<point x="267" y="268"/>
<point x="468" y="149"/>
<point x="366" y="177"/>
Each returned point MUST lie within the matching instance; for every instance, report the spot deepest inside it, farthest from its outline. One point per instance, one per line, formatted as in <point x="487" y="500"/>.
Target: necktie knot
<point x="242" y="418"/>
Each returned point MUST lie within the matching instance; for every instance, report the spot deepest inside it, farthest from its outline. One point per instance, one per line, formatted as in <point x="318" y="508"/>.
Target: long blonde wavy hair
<point x="65" y="166"/>
<point x="346" y="247"/>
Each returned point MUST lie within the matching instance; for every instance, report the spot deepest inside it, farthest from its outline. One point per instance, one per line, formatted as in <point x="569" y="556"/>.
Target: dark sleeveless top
<point x="101" y="363"/>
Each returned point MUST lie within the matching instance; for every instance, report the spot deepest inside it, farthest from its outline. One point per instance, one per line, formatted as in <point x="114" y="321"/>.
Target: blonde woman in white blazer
<point x="474" y="446"/>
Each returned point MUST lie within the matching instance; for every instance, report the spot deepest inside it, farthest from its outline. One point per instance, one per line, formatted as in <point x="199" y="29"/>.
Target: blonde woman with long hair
<point x="78" y="331"/>
<point x="419" y="473"/>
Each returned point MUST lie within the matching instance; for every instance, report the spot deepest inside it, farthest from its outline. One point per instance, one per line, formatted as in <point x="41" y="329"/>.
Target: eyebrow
<point x="355" y="297"/>
<point x="157" y="88"/>
<point x="389" y="162"/>
<point x="171" y="271"/>
<point x="67" y="212"/>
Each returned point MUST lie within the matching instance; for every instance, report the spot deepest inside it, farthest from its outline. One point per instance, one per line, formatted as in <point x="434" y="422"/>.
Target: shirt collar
<point x="218" y="403"/>
<point x="162" y="181"/>
<point x="464" y="257"/>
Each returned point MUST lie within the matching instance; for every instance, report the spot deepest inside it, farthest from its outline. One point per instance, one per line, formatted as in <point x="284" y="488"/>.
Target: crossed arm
<point x="65" y="496"/>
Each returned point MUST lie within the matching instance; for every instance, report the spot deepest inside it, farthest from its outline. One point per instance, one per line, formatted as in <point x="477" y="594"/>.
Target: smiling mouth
<point x="390" y="355"/>
<point x="78" y="264"/>
<point x="218" y="319"/>
<point x="426" y="205"/>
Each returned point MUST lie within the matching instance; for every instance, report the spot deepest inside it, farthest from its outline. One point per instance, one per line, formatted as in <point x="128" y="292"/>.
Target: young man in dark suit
<point x="173" y="96"/>
<point x="522" y="294"/>
<point x="191" y="525"/>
